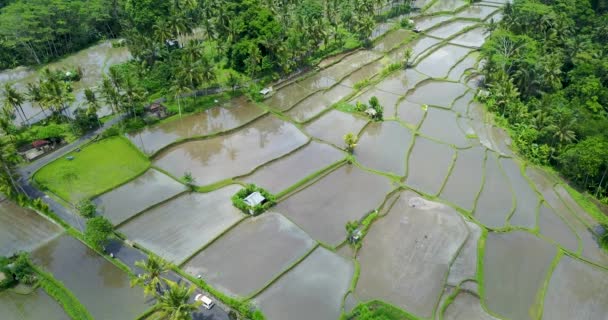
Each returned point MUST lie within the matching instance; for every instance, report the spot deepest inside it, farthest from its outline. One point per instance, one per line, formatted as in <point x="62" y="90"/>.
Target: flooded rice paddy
<point x="233" y="114"/>
<point x="483" y="247"/>
<point x="99" y="285"/>
<point x="36" y="305"/>
<point x="187" y="223"/>
<point x="265" y="246"/>
<point x="22" y="229"/>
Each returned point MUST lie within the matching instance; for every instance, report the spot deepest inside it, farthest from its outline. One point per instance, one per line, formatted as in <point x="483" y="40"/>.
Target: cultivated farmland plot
<point x="452" y="225"/>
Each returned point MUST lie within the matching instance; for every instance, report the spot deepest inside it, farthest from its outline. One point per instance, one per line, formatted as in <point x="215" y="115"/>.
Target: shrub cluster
<point x="238" y="200"/>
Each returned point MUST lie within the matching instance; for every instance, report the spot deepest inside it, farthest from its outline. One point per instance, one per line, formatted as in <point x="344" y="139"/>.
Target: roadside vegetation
<point x="547" y="81"/>
<point x="95" y="169"/>
<point x="377" y="310"/>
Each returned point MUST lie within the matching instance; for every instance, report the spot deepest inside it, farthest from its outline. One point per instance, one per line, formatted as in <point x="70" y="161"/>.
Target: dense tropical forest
<point x="547" y="78"/>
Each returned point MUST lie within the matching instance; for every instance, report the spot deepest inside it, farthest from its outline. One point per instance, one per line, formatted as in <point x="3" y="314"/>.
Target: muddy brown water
<point x="410" y="275"/>
<point x="234" y="113"/>
<point x="99" y="285"/>
<point x="250" y="255"/>
<point x="278" y="175"/>
<point x="346" y="194"/>
<point x="232" y="155"/>
<point x="33" y="306"/>
<point x="135" y="196"/>
<point x="515" y="266"/>
<point x="22" y="229"/>
<point x="383" y="146"/>
<point x="178" y="228"/>
<point x="314" y="289"/>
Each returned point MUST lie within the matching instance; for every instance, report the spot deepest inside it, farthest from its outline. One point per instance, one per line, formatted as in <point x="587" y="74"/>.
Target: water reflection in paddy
<point x="99" y="285"/>
<point x="439" y="63"/>
<point x="450" y="29"/>
<point x="391" y="40"/>
<point x="443" y="126"/>
<point x="234" y="113"/>
<point x="33" y="306"/>
<point x="383" y="146"/>
<point x="332" y="126"/>
<point x="22" y="229"/>
<point x="318" y="102"/>
<point x="429" y="165"/>
<point x="447" y="5"/>
<point x="477" y="12"/>
<point x="472" y="38"/>
<point x="178" y="228"/>
<point x="278" y="175"/>
<point x="437" y="93"/>
<point x="231" y="155"/>
<point x="276" y="243"/>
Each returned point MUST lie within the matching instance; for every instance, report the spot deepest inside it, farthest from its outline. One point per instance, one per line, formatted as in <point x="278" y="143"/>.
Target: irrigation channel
<point x="465" y="229"/>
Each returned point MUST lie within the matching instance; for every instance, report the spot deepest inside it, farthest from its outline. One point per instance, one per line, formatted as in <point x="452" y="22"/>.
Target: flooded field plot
<point x="466" y="307"/>
<point x="472" y="38"/>
<point x="314" y="289"/>
<point x="515" y="266"/>
<point x="99" y="285"/>
<point x="429" y="165"/>
<point x="421" y="45"/>
<point x="554" y="227"/>
<point x="287" y="96"/>
<point x="318" y="102"/>
<point x="437" y="93"/>
<point x="324" y="208"/>
<point x="466" y="178"/>
<point x="465" y="265"/>
<point x="22" y="229"/>
<point x="443" y="125"/>
<point x="332" y="126"/>
<point x="525" y="197"/>
<point x="383" y="146"/>
<point x="450" y="29"/>
<point x="544" y="183"/>
<point x="316" y="82"/>
<point x="380" y="29"/>
<point x="577" y="290"/>
<point x="574" y="206"/>
<point x="387" y="100"/>
<point x="477" y="12"/>
<point x="135" y="196"/>
<point x="410" y="275"/>
<point x="446" y="5"/>
<point x="459" y="70"/>
<point x="461" y="104"/>
<point x="350" y="64"/>
<point x="428" y="22"/>
<point x="278" y="175"/>
<point x="495" y="201"/>
<point x="232" y="155"/>
<point x="178" y="228"/>
<point x="365" y="73"/>
<point x="33" y="306"/>
<point x="400" y="82"/>
<point x="235" y="113"/>
<point x="439" y="63"/>
<point x="411" y="113"/>
<point x="391" y="40"/>
<point x="252" y="254"/>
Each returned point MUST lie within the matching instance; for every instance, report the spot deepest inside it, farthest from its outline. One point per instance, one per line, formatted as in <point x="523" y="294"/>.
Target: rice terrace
<point x="377" y="183"/>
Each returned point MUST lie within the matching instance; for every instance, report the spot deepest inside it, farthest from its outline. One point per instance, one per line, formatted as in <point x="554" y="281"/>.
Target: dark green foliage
<point x="37" y="31"/>
<point x="17" y="269"/>
<point x="547" y="77"/>
<point x="85" y="120"/>
<point x="86" y="208"/>
<point x="238" y="200"/>
<point x="378" y="310"/>
<point x="98" y="232"/>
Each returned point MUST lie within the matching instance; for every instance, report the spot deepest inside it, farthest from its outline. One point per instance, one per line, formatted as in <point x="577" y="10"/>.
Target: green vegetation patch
<point x="239" y="200"/>
<point x="378" y="310"/>
<point x="97" y="168"/>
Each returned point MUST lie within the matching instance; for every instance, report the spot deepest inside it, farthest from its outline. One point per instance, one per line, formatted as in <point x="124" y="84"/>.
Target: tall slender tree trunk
<point x="599" y="187"/>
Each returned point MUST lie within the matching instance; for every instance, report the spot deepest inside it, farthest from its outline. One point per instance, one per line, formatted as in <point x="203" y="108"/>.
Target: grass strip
<point x="54" y="288"/>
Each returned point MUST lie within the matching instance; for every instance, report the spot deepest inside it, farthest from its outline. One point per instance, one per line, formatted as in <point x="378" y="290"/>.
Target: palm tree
<point x="175" y="304"/>
<point x="110" y="94"/>
<point x="13" y="101"/>
<point x="178" y="88"/>
<point x="35" y="95"/>
<point x="8" y="159"/>
<point x="151" y="279"/>
<point x="92" y="102"/>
